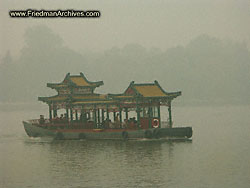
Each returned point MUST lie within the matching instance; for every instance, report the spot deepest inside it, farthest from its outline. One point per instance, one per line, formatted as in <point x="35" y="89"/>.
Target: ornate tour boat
<point x="134" y="114"/>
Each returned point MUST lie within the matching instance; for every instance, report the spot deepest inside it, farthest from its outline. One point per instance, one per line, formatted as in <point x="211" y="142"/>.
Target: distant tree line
<point x="207" y="70"/>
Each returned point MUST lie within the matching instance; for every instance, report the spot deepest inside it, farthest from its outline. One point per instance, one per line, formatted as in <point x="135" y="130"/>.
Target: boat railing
<point x="77" y="124"/>
<point x="37" y="121"/>
<point x="58" y="123"/>
<point x="34" y="121"/>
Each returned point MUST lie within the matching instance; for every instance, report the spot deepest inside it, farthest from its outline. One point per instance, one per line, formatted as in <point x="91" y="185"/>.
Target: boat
<point x="133" y="114"/>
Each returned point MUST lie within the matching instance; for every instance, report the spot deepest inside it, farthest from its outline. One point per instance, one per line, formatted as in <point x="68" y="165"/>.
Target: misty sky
<point x="150" y="23"/>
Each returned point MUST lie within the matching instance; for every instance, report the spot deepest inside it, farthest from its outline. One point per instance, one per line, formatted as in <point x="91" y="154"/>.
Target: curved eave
<point x="53" y="99"/>
<point x="96" y="84"/>
<point x="169" y="96"/>
<point x="56" y="85"/>
<point x="174" y="94"/>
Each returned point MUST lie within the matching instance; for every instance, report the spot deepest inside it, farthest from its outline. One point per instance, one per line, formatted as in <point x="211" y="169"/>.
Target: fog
<point x="198" y="47"/>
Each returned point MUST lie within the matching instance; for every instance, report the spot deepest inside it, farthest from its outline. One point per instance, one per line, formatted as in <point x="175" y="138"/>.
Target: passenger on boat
<point x="83" y="117"/>
<point x="107" y="123"/>
<point x="131" y="123"/>
<point x="56" y="119"/>
<point x="132" y="120"/>
<point x="117" y="121"/>
<point x="125" y="124"/>
<point x="117" y="117"/>
<point x="41" y="120"/>
<point x="62" y="118"/>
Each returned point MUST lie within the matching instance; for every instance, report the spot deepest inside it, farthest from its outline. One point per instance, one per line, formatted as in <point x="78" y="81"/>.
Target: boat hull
<point x="120" y="134"/>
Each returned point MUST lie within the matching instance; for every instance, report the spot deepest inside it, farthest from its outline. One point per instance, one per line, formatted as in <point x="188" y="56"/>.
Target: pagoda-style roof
<point x="145" y="90"/>
<point x="149" y="90"/>
<point x="75" y="81"/>
<point x="76" y="90"/>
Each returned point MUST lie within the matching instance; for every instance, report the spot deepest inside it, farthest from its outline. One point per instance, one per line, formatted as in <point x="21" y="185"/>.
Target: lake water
<point x="218" y="156"/>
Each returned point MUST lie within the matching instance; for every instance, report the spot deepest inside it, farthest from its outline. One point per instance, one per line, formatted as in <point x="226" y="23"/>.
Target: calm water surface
<point x="218" y="156"/>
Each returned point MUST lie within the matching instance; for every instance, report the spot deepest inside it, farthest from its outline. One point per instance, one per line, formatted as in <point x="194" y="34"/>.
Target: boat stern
<point x="35" y="131"/>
